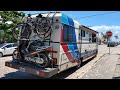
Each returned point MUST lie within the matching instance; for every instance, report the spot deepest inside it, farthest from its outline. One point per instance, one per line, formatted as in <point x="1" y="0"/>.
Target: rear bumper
<point x="32" y="69"/>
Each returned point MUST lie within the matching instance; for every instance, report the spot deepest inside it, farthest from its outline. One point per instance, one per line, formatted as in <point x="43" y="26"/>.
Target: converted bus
<point x="71" y="44"/>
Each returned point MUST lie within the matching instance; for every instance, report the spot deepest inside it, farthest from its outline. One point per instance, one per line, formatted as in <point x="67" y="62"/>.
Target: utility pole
<point x="109" y="45"/>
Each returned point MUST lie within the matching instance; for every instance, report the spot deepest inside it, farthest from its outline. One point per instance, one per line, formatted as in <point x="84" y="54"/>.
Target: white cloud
<point x="104" y="28"/>
<point x="116" y="32"/>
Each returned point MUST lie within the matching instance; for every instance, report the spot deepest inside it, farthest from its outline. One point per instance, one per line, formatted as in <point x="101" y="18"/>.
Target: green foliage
<point x="13" y="16"/>
<point x="104" y="36"/>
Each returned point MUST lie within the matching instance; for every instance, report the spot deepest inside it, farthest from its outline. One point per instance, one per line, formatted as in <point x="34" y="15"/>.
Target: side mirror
<point x="4" y="48"/>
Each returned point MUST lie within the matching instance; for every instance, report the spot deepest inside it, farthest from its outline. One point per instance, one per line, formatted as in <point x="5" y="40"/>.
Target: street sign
<point x="109" y="33"/>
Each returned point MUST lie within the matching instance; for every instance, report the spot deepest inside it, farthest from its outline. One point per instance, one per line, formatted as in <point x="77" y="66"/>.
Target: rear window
<point x="1" y="45"/>
<point x="14" y="45"/>
<point x="8" y="46"/>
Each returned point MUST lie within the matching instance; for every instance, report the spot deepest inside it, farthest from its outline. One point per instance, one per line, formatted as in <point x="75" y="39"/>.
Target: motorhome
<point x="62" y="43"/>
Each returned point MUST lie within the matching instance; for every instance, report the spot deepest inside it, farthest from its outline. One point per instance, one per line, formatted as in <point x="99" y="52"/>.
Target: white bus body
<point x="72" y="41"/>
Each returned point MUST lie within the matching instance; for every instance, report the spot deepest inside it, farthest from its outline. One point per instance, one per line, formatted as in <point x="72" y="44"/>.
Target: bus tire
<point x="96" y="54"/>
<point x="1" y="54"/>
<point x="79" y="64"/>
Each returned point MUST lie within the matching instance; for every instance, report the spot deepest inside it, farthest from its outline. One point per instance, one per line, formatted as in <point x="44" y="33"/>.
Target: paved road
<point x="86" y="71"/>
<point x="10" y="73"/>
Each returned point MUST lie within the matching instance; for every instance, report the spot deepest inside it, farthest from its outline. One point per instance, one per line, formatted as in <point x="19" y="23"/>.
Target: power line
<point x="97" y="15"/>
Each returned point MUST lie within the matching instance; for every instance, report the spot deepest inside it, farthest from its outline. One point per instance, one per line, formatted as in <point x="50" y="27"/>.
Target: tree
<point x="9" y="16"/>
<point x="116" y="37"/>
<point x="104" y="36"/>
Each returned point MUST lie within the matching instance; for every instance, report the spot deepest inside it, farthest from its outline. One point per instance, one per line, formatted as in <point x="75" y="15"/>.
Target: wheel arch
<point x="2" y="53"/>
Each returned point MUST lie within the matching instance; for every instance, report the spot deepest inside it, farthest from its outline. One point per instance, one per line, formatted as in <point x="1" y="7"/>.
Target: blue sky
<point x="101" y="23"/>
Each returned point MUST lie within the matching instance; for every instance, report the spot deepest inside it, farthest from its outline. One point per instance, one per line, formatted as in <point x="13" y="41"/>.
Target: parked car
<point x="115" y="43"/>
<point x="118" y="43"/>
<point x="7" y="48"/>
<point x="109" y="44"/>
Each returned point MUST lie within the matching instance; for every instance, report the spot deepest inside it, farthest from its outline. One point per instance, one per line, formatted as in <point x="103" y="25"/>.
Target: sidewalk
<point x="117" y="69"/>
<point x="104" y="69"/>
<point x="84" y="69"/>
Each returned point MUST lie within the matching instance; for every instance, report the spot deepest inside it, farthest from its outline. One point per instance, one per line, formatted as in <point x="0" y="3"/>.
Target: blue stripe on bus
<point x="74" y="40"/>
<point x="71" y="23"/>
<point x="73" y="47"/>
<point x="65" y="19"/>
<point x="75" y="44"/>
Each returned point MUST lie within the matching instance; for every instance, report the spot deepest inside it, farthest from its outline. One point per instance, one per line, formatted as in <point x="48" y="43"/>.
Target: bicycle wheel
<point x="43" y="26"/>
<point x="16" y="56"/>
<point x="22" y="30"/>
<point x="41" y="57"/>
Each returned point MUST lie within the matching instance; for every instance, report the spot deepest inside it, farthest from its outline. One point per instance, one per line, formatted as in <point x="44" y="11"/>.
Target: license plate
<point x="22" y="69"/>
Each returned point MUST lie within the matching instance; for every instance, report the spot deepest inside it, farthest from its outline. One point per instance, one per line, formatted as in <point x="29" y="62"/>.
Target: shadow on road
<point x="20" y="75"/>
<point x="7" y="55"/>
<point x="116" y="77"/>
<point x="68" y="72"/>
<point x="23" y="75"/>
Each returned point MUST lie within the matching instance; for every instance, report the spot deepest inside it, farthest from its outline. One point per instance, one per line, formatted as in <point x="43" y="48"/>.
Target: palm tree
<point x="116" y="37"/>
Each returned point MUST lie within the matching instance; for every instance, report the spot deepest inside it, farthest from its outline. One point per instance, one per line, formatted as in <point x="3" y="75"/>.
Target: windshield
<point x="1" y="45"/>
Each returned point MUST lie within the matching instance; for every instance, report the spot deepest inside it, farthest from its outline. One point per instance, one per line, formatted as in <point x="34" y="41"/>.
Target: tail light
<point x="54" y="60"/>
<point x="42" y="73"/>
<point x="50" y="50"/>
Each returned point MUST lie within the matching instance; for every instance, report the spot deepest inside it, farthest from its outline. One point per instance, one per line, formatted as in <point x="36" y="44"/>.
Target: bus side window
<point x="79" y="36"/>
<point x="89" y="39"/>
<point x="82" y="33"/>
<point x="68" y="33"/>
<point x="65" y="33"/>
<point x="93" y="38"/>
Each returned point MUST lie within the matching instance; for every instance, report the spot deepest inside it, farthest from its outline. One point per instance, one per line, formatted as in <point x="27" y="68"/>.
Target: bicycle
<point x="40" y="27"/>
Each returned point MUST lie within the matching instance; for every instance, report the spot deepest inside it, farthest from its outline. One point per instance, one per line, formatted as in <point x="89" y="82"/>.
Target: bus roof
<point x="65" y="20"/>
<point x="89" y="29"/>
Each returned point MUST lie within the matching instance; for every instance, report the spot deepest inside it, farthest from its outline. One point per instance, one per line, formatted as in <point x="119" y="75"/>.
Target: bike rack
<point x="19" y="40"/>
